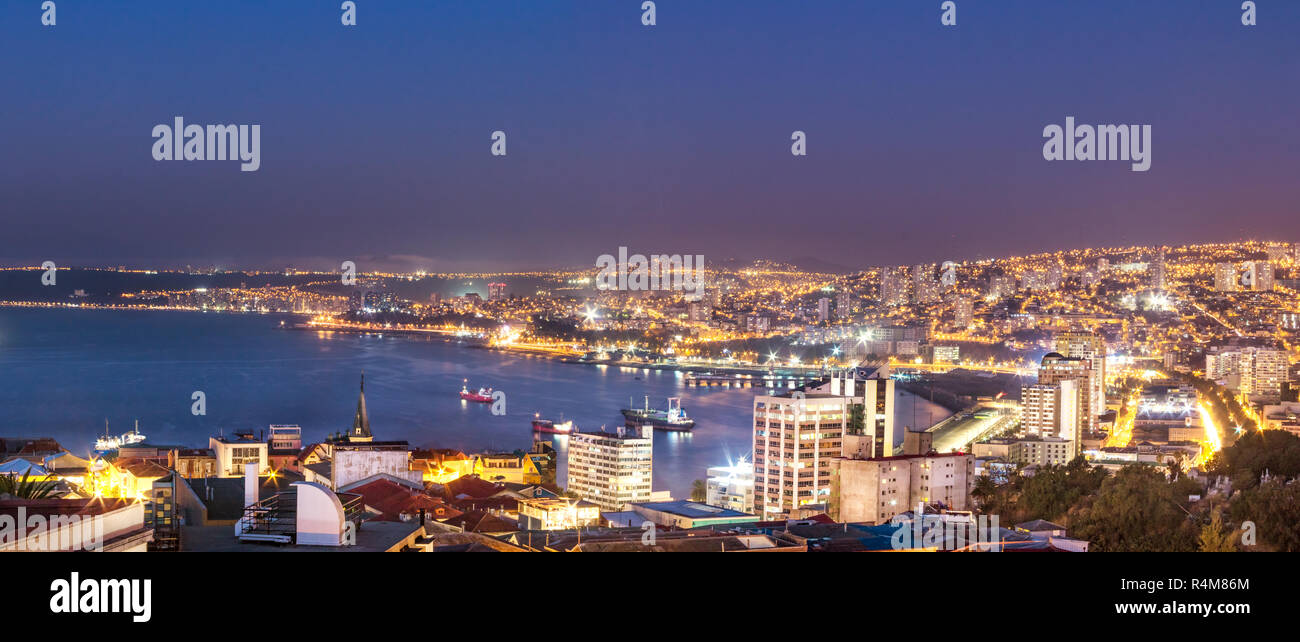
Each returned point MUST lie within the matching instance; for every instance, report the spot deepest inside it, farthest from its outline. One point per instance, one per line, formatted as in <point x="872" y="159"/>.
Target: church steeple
<point x="361" y="422"/>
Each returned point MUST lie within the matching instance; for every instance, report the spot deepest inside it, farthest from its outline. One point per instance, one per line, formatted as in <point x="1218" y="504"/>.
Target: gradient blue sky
<point x="924" y="141"/>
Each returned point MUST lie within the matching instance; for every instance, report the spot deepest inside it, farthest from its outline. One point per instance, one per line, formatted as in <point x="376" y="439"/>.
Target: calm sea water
<point x="63" y="372"/>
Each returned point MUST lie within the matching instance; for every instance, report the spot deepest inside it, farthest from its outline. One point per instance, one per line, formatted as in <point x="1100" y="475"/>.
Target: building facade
<point x="611" y="470"/>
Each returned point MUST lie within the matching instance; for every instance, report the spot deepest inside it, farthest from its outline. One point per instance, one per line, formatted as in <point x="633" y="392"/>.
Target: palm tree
<point x="984" y="491"/>
<point x="25" y="488"/>
<point x="699" y="490"/>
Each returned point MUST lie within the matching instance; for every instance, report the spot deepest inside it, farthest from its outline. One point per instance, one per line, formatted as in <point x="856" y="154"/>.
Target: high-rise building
<point x="1259" y="373"/>
<point x="894" y="286"/>
<point x="1225" y="277"/>
<point x="1156" y="268"/>
<point x="798" y="433"/>
<point x="496" y="291"/>
<point x="823" y="309"/>
<point x="1001" y="285"/>
<point x="1258" y="276"/>
<point x="611" y="470"/>
<point x="1092" y="347"/>
<point x="1052" y="410"/>
<point x="963" y="313"/>
<point x="925" y="289"/>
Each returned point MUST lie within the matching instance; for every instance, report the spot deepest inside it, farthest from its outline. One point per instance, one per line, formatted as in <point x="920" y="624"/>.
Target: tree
<point x="985" y="491"/>
<point x="1214" y="539"/>
<point x="1137" y="510"/>
<point x="25" y="488"/>
<point x="699" y="490"/>
<point x="1275" y="451"/>
<point x="1053" y="490"/>
<point x="1274" y="507"/>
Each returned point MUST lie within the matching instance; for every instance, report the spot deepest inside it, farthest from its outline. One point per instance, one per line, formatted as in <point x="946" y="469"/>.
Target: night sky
<point x="924" y="142"/>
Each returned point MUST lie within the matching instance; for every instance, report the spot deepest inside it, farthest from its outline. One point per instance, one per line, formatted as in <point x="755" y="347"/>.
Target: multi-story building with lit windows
<point x="611" y="470"/>
<point x="1157" y="272"/>
<point x="1056" y="368"/>
<point x="1092" y="347"/>
<point x="796" y="436"/>
<point x="731" y="487"/>
<point x="1257" y="372"/>
<point x="232" y="453"/>
<point x="1260" y="276"/>
<point x="963" y="314"/>
<point x="894" y="286"/>
<point x="1225" y="277"/>
<point x="1052" y="410"/>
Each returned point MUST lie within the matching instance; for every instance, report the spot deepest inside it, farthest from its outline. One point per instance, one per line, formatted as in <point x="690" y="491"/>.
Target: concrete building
<point x="1028" y="452"/>
<point x="894" y="286"/>
<point x="231" y="453"/>
<point x="1056" y="367"/>
<point x="1225" y="277"/>
<point x="611" y="470"/>
<point x="283" y="445"/>
<point x="1260" y="373"/>
<point x="798" y="433"/>
<point x="963" y="315"/>
<point x="1052" y="410"/>
<point x="545" y="514"/>
<point x="1156" y="270"/>
<point x="1092" y="347"/>
<point x="1258" y="276"/>
<point x="1283" y="416"/>
<point x="875" y="490"/>
<point x="731" y="486"/>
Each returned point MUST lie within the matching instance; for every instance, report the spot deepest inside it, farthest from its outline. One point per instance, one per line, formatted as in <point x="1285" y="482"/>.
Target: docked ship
<point x="109" y="443"/>
<point x="551" y="427"/>
<point x="674" y="418"/>
<point x="484" y="395"/>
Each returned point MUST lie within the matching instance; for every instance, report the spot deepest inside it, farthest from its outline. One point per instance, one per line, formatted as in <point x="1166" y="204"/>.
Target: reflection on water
<point x="65" y="371"/>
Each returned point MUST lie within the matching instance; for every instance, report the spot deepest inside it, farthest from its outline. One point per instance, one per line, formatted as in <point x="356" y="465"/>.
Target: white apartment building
<point x="611" y="470"/>
<point x="796" y="436"/>
<point x="1258" y="373"/>
<point x="1086" y="345"/>
<point x="1056" y="368"/>
<point x="233" y="452"/>
<point x="1052" y="410"/>
<point x="731" y="487"/>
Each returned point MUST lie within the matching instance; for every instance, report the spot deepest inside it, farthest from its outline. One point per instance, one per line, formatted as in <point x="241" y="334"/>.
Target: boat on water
<point x="673" y="419"/>
<point x="484" y="395"/>
<point x="554" y="428"/>
<point x="109" y="443"/>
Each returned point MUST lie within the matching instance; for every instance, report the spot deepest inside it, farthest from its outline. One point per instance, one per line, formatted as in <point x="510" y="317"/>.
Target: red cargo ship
<point x="548" y="426"/>
<point x="484" y="395"/>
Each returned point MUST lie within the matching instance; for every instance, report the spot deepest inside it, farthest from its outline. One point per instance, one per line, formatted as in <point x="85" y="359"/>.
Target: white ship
<point x="109" y="443"/>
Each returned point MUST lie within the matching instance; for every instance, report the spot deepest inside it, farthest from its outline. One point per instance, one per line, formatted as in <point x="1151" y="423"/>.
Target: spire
<point x="361" y="422"/>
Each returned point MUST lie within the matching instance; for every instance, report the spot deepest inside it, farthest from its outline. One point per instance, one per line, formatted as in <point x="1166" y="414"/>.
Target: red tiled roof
<point x="471" y="486"/>
<point x="393" y="499"/>
<point x="483" y="522"/>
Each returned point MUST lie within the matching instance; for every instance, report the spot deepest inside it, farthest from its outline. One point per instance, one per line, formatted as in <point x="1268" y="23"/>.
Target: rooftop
<point x="694" y="510"/>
